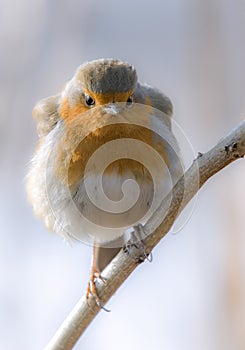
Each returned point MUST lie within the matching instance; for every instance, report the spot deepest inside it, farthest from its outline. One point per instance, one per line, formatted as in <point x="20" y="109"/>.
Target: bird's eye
<point x="89" y="100"/>
<point x="130" y="100"/>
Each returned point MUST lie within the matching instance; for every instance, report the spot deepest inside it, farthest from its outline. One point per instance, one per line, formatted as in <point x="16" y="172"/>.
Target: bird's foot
<point x="135" y="247"/>
<point x="92" y="289"/>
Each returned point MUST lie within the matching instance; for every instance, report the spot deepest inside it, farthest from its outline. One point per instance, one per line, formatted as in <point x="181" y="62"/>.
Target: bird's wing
<point x="148" y="95"/>
<point x="45" y="113"/>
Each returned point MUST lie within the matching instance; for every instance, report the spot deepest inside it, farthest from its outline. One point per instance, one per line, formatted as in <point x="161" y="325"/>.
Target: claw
<point x="135" y="242"/>
<point x="92" y="290"/>
<point x="95" y="275"/>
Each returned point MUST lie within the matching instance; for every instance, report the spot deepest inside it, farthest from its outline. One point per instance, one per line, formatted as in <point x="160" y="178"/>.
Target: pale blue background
<point x="192" y="296"/>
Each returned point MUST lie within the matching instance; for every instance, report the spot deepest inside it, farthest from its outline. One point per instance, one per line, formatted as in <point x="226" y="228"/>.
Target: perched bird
<point x="103" y="107"/>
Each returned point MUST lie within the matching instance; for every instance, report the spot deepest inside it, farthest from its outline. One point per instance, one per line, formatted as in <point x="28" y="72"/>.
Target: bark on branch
<point x="204" y="166"/>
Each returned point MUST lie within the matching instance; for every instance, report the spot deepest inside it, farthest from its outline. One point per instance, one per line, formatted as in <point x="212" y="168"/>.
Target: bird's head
<point x="97" y="83"/>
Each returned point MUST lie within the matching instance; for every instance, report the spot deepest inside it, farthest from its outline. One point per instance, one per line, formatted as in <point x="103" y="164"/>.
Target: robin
<point x="103" y="104"/>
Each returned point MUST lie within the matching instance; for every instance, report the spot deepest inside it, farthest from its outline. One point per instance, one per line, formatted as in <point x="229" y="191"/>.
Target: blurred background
<point x="193" y="294"/>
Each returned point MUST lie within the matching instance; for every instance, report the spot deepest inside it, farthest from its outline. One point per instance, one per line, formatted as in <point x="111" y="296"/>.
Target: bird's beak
<point x="112" y="108"/>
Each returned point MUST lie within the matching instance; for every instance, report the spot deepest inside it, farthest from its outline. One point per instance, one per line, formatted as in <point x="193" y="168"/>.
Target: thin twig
<point x="204" y="166"/>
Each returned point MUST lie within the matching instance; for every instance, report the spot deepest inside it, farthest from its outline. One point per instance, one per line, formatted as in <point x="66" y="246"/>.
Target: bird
<point x="104" y="108"/>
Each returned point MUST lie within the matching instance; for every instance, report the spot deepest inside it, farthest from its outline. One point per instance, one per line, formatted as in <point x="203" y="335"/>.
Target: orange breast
<point x="73" y="154"/>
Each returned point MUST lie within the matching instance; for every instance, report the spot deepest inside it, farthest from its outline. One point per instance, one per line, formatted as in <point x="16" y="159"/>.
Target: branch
<point x="204" y="166"/>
